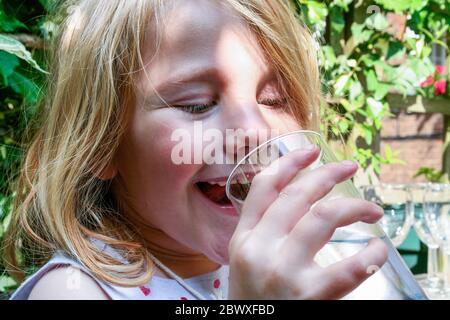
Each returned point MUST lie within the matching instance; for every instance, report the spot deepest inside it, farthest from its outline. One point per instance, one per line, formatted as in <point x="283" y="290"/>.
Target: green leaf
<point x="352" y="107"/>
<point x="328" y="56"/>
<point x="24" y="86"/>
<point x="45" y="4"/>
<point x="371" y="79"/>
<point x="420" y="44"/>
<point x="367" y="133"/>
<point x="369" y="59"/>
<point x="375" y="107"/>
<point x="378" y="22"/>
<point x="376" y="166"/>
<point x="355" y="89"/>
<point x="15" y="47"/>
<point x="395" y="49"/>
<point x="317" y="11"/>
<point x="9" y="24"/>
<point x="341" y="84"/>
<point x="382" y="45"/>
<point x="337" y="20"/>
<point x="381" y="91"/>
<point x="402" y="5"/>
<point x="342" y="3"/>
<point x="388" y="152"/>
<point x="359" y="34"/>
<point x="8" y="62"/>
<point x="431" y="174"/>
<point x="6" y="283"/>
<point x="343" y="126"/>
<point x="426" y="51"/>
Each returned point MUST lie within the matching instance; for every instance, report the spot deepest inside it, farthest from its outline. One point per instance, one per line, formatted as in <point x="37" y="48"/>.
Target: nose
<point x="245" y="129"/>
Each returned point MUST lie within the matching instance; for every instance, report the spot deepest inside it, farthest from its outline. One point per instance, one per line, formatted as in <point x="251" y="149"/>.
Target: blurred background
<point x="385" y="67"/>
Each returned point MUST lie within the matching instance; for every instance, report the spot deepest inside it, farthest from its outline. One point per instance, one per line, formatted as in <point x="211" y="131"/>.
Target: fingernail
<point x="348" y="163"/>
<point x="379" y="210"/>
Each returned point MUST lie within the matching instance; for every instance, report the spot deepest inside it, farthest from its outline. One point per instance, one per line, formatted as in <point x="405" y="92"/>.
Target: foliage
<point x="364" y="58"/>
<point x="431" y="174"/>
<point x="21" y="79"/>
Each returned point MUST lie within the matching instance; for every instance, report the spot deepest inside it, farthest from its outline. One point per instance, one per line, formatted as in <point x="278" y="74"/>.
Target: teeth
<point x="220" y="183"/>
<point x="239" y="180"/>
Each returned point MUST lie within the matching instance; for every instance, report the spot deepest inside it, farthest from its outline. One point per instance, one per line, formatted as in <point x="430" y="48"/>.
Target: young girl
<point x="106" y="213"/>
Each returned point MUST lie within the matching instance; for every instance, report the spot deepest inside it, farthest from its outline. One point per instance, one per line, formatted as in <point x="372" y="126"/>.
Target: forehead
<point x="197" y="33"/>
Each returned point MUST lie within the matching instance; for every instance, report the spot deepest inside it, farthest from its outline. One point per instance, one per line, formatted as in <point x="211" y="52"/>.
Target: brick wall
<point x="418" y="137"/>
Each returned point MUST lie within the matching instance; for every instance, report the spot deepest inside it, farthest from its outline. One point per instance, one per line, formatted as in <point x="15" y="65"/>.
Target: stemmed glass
<point x="431" y="282"/>
<point x="395" y="199"/>
<point x="436" y="207"/>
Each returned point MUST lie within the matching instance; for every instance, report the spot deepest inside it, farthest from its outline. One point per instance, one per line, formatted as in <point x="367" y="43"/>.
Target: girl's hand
<point x="279" y="233"/>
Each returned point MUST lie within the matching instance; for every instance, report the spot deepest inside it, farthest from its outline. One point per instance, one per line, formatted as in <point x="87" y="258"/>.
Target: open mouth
<point x="215" y="190"/>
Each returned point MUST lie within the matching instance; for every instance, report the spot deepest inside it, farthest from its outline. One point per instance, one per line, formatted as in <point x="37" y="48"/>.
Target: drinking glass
<point x="395" y="199"/>
<point x="436" y="205"/>
<point x="431" y="282"/>
<point x="393" y="281"/>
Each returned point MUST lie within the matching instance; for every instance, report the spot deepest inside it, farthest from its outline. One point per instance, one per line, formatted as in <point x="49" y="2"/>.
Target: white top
<point x="213" y="285"/>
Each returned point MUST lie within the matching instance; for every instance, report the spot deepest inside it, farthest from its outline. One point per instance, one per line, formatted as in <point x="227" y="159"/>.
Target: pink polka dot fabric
<point x="213" y="285"/>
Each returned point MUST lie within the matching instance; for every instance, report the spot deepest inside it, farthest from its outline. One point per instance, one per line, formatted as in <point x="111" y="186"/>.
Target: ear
<point x="109" y="172"/>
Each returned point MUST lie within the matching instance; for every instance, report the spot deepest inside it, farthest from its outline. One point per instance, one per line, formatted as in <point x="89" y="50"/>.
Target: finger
<point x="342" y="277"/>
<point x="296" y="199"/>
<point x="316" y="228"/>
<point x="267" y="184"/>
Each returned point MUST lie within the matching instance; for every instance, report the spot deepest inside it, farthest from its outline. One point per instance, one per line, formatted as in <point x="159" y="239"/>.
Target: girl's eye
<point x="274" y="103"/>
<point x="196" y="108"/>
<point x="202" y="108"/>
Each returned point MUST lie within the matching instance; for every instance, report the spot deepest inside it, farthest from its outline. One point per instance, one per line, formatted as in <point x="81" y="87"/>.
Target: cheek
<point x="145" y="161"/>
<point x="282" y="122"/>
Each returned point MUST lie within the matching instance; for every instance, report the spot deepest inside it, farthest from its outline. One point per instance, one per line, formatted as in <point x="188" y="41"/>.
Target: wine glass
<point x="436" y="207"/>
<point x="395" y="199"/>
<point x="393" y="280"/>
<point x="431" y="282"/>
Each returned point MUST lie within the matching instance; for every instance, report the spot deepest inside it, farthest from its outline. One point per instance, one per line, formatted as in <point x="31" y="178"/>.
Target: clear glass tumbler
<point x="393" y="281"/>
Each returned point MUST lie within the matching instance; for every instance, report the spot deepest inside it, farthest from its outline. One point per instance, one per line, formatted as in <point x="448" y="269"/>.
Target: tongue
<point x="214" y="192"/>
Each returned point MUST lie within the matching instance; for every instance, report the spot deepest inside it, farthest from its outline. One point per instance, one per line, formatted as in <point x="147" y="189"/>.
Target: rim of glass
<point x="438" y="186"/>
<point x="227" y="189"/>
<point x="386" y="185"/>
<point x="418" y="185"/>
<point x="389" y="185"/>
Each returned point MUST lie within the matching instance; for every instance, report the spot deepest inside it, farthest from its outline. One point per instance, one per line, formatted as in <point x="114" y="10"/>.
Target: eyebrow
<point x="178" y="80"/>
<point x="211" y="74"/>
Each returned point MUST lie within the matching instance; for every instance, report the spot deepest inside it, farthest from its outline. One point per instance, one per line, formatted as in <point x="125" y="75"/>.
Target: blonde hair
<point x="61" y="204"/>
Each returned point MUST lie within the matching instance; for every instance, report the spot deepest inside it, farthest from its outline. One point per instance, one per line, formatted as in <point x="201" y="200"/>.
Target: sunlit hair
<point x="61" y="204"/>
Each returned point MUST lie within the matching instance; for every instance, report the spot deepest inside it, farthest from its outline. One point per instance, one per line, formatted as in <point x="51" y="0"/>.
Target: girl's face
<point x="210" y="68"/>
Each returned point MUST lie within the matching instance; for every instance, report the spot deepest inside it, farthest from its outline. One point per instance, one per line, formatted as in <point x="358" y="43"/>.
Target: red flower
<point x="216" y="283"/>
<point x="440" y="69"/>
<point x="439" y="87"/>
<point x="428" y="81"/>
